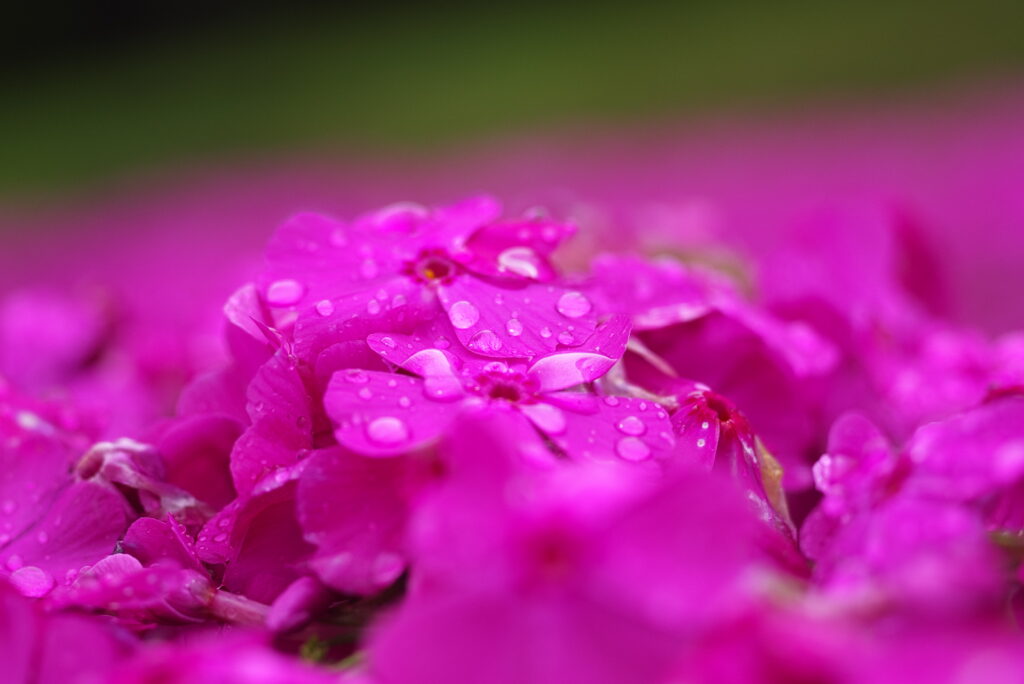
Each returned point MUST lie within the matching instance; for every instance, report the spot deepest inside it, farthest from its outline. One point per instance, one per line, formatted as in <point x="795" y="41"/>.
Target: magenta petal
<point x="280" y="408"/>
<point x="504" y="639"/>
<point x="655" y="293"/>
<point x="354" y="510"/>
<point x="585" y="363"/>
<point x="155" y="541"/>
<point x="621" y="428"/>
<point x="298" y="604"/>
<point x="517" y="322"/>
<point x="678" y="556"/>
<point x="83" y="525"/>
<point x="395" y="304"/>
<point x="312" y="257"/>
<point x="382" y="414"/>
<point x="517" y="249"/>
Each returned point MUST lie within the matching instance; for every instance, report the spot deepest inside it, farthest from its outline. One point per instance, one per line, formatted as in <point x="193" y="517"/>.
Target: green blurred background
<point x="95" y="92"/>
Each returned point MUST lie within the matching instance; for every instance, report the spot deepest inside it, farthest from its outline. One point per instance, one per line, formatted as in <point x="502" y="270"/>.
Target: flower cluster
<point x="433" y="454"/>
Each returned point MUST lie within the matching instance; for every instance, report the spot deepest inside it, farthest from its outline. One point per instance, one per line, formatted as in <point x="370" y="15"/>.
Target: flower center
<point x="504" y="385"/>
<point x="432" y="266"/>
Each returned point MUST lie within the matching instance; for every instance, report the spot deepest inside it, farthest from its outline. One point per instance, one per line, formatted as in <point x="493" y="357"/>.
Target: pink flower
<point x="383" y="413"/>
<point x="391" y="268"/>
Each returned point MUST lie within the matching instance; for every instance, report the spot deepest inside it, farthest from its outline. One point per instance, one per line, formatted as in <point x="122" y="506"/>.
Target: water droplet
<point x="387" y="430"/>
<point x="611" y="401"/>
<point x="631" y="425"/>
<point x="14" y="562"/>
<point x="392" y="383"/>
<point x="355" y="375"/>
<point x="521" y="261"/>
<point x="9" y="506"/>
<point x="220" y="538"/>
<point x="705" y="425"/>
<point x="545" y="332"/>
<point x="42" y="537"/>
<point x="365" y="393"/>
<point x="565" y="338"/>
<point x="285" y="292"/>
<point x="388" y="342"/>
<point x="404" y="402"/>
<point x="369" y="269"/>
<point x="632" y="449"/>
<point x="325" y="307"/>
<point x="398" y="300"/>
<point x="485" y="341"/>
<point x="573" y="305"/>
<point x="373" y="307"/>
<point x="514" y="327"/>
<point x="442" y="342"/>
<point x="463" y="315"/>
<point x="701" y="442"/>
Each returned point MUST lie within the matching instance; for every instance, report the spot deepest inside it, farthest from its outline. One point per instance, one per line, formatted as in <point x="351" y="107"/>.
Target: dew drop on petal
<point x="701" y="442"/>
<point x="705" y="425"/>
<point x="388" y="342"/>
<point x="463" y="315"/>
<point x="42" y="537"/>
<point x="9" y="506"/>
<point x="386" y="568"/>
<point x="565" y="338"/>
<point x="611" y="401"/>
<point x="373" y="307"/>
<point x="365" y="393"/>
<point x="522" y="261"/>
<point x="325" y="307"/>
<point x="514" y="327"/>
<point x="485" y="341"/>
<point x="285" y="292"/>
<point x="442" y="342"/>
<point x="545" y="332"/>
<point x="632" y="449"/>
<point x="631" y="425"/>
<point x="573" y="305"/>
<point x="355" y="375"/>
<point x="404" y="402"/>
<point x="387" y="431"/>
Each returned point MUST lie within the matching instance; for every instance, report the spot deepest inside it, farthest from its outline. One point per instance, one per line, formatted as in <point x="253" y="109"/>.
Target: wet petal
<point x="520" y="322"/>
<point x="383" y="414"/>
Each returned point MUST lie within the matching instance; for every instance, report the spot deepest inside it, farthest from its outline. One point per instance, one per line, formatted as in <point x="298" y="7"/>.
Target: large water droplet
<point x="485" y="341"/>
<point x="514" y="327"/>
<point x="325" y="307"/>
<point x="521" y="261"/>
<point x="631" y="425"/>
<point x="463" y="315"/>
<point x="387" y="430"/>
<point x="573" y="305"/>
<point x="632" y="449"/>
<point x="285" y="292"/>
